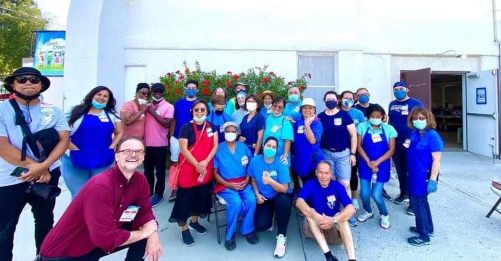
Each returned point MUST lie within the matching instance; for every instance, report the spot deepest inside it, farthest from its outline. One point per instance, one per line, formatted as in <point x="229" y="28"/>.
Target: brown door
<point x="419" y="82"/>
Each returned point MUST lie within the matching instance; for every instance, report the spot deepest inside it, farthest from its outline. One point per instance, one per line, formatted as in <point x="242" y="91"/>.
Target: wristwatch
<point x="352" y="154"/>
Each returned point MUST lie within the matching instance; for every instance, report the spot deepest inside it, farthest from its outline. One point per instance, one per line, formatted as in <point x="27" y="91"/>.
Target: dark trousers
<point x="422" y="212"/>
<point x="135" y="253"/>
<point x="280" y="206"/>
<point x="154" y="166"/>
<point x="400" y="161"/>
<point x="12" y="201"/>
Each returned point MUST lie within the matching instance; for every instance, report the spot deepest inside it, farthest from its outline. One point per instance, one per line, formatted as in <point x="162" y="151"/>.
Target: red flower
<point x="178" y="91"/>
<point x="181" y="77"/>
<point x="205" y="83"/>
<point x="229" y="73"/>
<point x="176" y="82"/>
<point x="168" y="74"/>
<point x="187" y="71"/>
<point x="167" y="87"/>
<point x="272" y="74"/>
<point x="178" y="72"/>
<point x="309" y="75"/>
<point x="205" y="91"/>
<point x="236" y="77"/>
<point x="228" y="84"/>
<point x="265" y="80"/>
<point x="301" y="87"/>
<point x="289" y="83"/>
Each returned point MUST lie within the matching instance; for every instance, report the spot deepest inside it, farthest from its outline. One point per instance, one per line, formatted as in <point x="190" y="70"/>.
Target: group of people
<point x="259" y="154"/>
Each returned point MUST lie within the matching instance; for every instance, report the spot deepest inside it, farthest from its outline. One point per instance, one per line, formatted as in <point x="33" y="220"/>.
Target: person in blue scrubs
<point x="221" y="92"/>
<point x="252" y="125"/>
<point x="293" y="104"/>
<point x="398" y="112"/>
<point x="239" y="114"/>
<point x="267" y="98"/>
<point x="308" y="132"/>
<point x="376" y="145"/>
<point x="320" y="201"/>
<point x="232" y="185"/>
<point x="218" y="117"/>
<point x="279" y="126"/>
<point x="270" y="179"/>
<point x="423" y="160"/>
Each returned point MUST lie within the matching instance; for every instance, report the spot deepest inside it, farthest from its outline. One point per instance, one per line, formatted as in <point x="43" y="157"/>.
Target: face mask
<point x="142" y="101"/>
<point x="190" y="92"/>
<point x="230" y="136"/>
<point x="419" y="124"/>
<point x="269" y="152"/>
<point x="157" y="99"/>
<point x="331" y="104"/>
<point x="375" y="122"/>
<point x="251" y="106"/>
<point x="347" y="103"/>
<point x="98" y="105"/>
<point x="294" y="98"/>
<point x="199" y="120"/>
<point x="218" y="112"/>
<point x="363" y="98"/>
<point x="400" y="94"/>
<point x="267" y="106"/>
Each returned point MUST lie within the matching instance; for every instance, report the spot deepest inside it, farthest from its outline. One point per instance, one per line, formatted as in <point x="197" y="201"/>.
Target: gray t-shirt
<point x="44" y="116"/>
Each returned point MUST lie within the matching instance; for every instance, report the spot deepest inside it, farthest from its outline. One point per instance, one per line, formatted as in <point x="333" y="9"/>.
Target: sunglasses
<point x="24" y="79"/>
<point x="199" y="110"/>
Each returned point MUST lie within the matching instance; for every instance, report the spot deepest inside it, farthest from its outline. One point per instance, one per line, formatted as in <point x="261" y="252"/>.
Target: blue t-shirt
<point x="356" y="115"/>
<point x="265" y="112"/>
<point x="419" y="159"/>
<point x="280" y="128"/>
<point x="249" y="129"/>
<point x="275" y="170"/>
<point x="303" y="160"/>
<point x="182" y="114"/>
<point x="327" y="200"/>
<point x="398" y="112"/>
<point x="336" y="135"/>
<point x="293" y="110"/>
<point x="232" y="164"/>
<point x="218" y="121"/>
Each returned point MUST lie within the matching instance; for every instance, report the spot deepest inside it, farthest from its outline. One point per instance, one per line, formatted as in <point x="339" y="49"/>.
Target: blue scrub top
<point x="356" y="115"/>
<point x="293" y="110"/>
<point x="218" y="121"/>
<point x="280" y="128"/>
<point x="325" y="200"/>
<point x="398" y="112"/>
<point x="276" y="170"/>
<point x="232" y="164"/>
<point x="303" y="161"/>
<point x="249" y="129"/>
<point x="265" y="112"/>
<point x="419" y="159"/>
<point x="336" y="135"/>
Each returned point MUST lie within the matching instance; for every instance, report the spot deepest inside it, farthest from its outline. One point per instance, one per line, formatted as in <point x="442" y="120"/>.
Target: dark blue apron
<point x="306" y="155"/>
<point x="93" y="138"/>
<point x="374" y="151"/>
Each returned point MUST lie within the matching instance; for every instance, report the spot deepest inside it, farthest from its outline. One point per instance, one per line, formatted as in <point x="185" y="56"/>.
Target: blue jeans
<point x="422" y="212"/>
<point x="377" y="194"/>
<point x="239" y="203"/>
<point x="74" y="177"/>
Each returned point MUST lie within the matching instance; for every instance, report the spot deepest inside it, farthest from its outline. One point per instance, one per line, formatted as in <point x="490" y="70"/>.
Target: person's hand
<point x="154" y="248"/>
<point x="266" y="178"/>
<point x="241" y="138"/>
<point x="201" y="166"/>
<point x="35" y="171"/>
<point x="432" y="186"/>
<point x="260" y="199"/>
<point x="326" y="223"/>
<point x="308" y="120"/>
<point x="234" y="186"/>
<point x="152" y="109"/>
<point x="374" y="164"/>
<point x="45" y="177"/>
<point x="290" y="119"/>
<point x="353" y="160"/>
<point x="143" y="107"/>
<point x="284" y="159"/>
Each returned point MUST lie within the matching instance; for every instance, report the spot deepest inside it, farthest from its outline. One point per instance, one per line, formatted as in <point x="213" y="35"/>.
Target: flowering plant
<point x="258" y="79"/>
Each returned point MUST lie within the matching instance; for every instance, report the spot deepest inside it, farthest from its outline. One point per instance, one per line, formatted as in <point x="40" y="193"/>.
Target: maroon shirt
<point x="92" y="219"/>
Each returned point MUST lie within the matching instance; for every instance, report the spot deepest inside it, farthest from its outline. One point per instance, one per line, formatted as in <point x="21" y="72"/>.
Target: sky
<point x="56" y="11"/>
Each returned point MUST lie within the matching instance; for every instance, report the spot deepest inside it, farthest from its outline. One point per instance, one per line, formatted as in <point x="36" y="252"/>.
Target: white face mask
<point x="230" y="136"/>
<point x="142" y="101"/>
<point x="251" y="106"/>
<point x="157" y="99"/>
<point x="199" y="119"/>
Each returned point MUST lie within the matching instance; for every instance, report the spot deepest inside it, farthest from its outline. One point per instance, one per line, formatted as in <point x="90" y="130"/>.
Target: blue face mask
<point x="190" y="92"/>
<point x="330" y="104"/>
<point x="98" y="105"/>
<point x="419" y="124"/>
<point x="363" y="98"/>
<point x="347" y="103"/>
<point x="375" y="122"/>
<point x="269" y="152"/>
<point x="400" y="94"/>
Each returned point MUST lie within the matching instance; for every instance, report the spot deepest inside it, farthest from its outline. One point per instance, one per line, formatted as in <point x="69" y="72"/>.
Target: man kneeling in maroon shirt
<point x="111" y="212"/>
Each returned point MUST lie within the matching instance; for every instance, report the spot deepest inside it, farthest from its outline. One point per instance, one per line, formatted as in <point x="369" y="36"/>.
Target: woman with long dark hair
<point x="95" y="131"/>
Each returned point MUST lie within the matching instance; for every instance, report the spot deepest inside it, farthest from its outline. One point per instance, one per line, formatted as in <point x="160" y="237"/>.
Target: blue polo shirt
<point x="232" y="164"/>
<point x="276" y="170"/>
<point x="398" y="112"/>
<point x="336" y="135"/>
<point x="249" y="129"/>
<point x="356" y="115"/>
<point x="280" y="128"/>
<point x="182" y="114"/>
<point x="327" y="200"/>
<point x="303" y="157"/>
<point x="293" y="110"/>
<point x="419" y="159"/>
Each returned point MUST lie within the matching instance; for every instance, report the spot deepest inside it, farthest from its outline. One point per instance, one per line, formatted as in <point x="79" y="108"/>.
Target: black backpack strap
<point x="27" y="141"/>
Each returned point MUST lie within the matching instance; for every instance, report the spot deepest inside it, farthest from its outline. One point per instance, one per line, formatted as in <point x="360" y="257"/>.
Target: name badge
<point x="407" y="143"/>
<point x="330" y="201"/>
<point x="221" y="130"/>
<point x="47" y="115"/>
<point x="405" y="110"/>
<point x="244" y="160"/>
<point x="209" y="132"/>
<point x="273" y="173"/>
<point x="376" y="138"/>
<point x="129" y="214"/>
<point x="104" y="118"/>
<point x="300" y="129"/>
<point x="275" y="128"/>
<point x="338" y="121"/>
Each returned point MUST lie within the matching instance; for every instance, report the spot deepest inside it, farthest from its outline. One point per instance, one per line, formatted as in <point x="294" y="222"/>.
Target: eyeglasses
<point x="199" y="110"/>
<point x="24" y="79"/>
<point x="129" y="152"/>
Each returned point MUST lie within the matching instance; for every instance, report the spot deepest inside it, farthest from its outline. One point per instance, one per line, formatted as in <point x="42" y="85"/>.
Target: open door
<point x="419" y="82"/>
<point x="481" y="113"/>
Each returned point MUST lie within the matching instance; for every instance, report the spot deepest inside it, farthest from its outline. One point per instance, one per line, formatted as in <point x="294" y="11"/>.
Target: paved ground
<point x="462" y="232"/>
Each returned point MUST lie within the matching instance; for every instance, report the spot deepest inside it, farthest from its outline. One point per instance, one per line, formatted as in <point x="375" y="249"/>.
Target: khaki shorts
<point x="332" y="236"/>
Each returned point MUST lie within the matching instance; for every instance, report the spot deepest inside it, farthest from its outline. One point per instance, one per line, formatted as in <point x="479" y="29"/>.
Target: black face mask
<point x="218" y="112"/>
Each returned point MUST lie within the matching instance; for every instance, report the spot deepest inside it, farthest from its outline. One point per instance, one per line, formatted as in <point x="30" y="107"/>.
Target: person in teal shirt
<point x="232" y="105"/>
<point x="293" y="106"/>
<point x="278" y="126"/>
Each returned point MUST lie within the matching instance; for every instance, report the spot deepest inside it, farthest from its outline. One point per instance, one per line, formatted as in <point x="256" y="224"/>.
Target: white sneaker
<point x="385" y="221"/>
<point x="364" y="216"/>
<point x="355" y="204"/>
<point x="280" y="246"/>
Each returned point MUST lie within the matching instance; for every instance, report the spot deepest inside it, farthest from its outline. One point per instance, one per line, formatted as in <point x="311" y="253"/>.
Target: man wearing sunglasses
<point x="24" y="161"/>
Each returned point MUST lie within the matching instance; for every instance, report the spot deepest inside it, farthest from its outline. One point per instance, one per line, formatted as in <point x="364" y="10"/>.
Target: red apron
<point x="188" y="175"/>
<point x="220" y="187"/>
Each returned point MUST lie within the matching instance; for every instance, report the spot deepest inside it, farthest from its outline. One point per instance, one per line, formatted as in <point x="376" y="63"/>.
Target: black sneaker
<point x="230" y="244"/>
<point x="197" y="227"/>
<point x="187" y="238"/>
<point x="173" y="195"/>
<point x="414" y="230"/>
<point x="386" y="195"/>
<point x="252" y="238"/>
<point x="418" y="241"/>
<point x="401" y="199"/>
<point x="410" y="211"/>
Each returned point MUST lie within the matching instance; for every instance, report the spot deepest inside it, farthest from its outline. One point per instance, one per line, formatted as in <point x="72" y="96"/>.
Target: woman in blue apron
<point x="218" y="117"/>
<point x="95" y="131"/>
<point x="376" y="145"/>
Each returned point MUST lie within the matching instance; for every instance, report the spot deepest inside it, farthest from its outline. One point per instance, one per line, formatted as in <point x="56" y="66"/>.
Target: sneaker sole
<point x="401" y="202"/>
<point x="384" y="227"/>
<point x="193" y="229"/>
<point x="365" y="219"/>
<point x="189" y="245"/>
<point x="422" y="244"/>
<point x="410" y="213"/>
